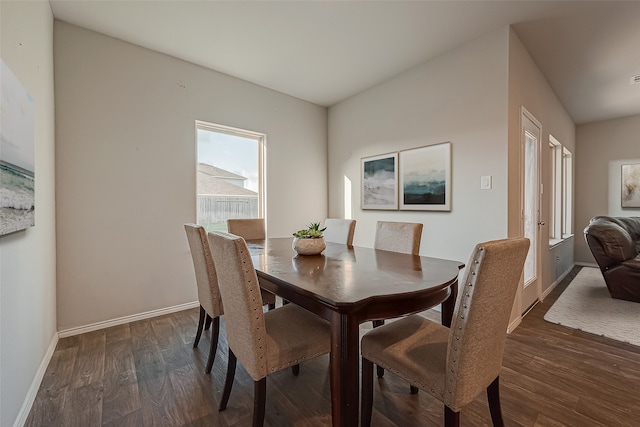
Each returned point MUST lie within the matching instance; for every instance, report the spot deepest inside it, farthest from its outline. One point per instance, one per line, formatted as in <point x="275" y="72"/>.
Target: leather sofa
<point x="615" y="245"/>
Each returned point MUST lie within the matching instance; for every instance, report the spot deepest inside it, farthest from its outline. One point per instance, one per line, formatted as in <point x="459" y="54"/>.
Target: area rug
<point x="587" y="305"/>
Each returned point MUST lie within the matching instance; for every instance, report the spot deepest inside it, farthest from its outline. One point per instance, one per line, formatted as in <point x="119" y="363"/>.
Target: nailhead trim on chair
<point x="463" y="314"/>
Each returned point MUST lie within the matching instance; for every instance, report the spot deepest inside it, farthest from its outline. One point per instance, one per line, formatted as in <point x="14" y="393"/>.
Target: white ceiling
<point x="327" y="51"/>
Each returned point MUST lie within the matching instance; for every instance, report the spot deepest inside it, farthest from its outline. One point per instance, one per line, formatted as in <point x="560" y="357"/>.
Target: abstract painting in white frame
<point x="425" y="178"/>
<point x="380" y="182"/>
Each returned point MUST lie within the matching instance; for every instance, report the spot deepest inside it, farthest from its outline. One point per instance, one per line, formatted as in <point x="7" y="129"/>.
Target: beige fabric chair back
<point x="479" y="325"/>
<point x="206" y="279"/>
<point x="249" y="229"/>
<point x="401" y="237"/>
<point x="339" y="230"/>
<point x="246" y="333"/>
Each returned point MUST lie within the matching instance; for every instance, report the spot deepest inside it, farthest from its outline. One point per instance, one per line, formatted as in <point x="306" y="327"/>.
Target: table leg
<point x="345" y="370"/>
<point x="449" y="305"/>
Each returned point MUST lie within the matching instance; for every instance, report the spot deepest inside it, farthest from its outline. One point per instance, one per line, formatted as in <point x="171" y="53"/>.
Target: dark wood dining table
<point x="350" y="285"/>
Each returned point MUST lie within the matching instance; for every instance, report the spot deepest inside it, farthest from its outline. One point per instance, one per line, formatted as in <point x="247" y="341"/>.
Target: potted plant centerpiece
<point x="309" y="241"/>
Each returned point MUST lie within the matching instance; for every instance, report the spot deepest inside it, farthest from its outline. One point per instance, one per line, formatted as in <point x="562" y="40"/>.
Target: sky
<point x="233" y="153"/>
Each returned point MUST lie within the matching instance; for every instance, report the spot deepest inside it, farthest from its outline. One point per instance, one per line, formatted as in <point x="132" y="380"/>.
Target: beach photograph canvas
<point x="631" y="186"/>
<point x="17" y="198"/>
<point x="380" y="182"/>
<point x="425" y="178"/>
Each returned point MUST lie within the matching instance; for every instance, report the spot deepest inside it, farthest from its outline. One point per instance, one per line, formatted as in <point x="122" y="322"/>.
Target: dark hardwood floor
<point x="146" y="373"/>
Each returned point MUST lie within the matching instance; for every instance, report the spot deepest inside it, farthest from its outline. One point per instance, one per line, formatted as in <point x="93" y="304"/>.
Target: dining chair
<point x="208" y="292"/>
<point x="248" y="228"/>
<point x="404" y="237"/>
<point x="263" y="342"/>
<point x="401" y="237"/>
<point x="207" y="283"/>
<point x="252" y="229"/>
<point x="454" y="364"/>
<point x="339" y="230"/>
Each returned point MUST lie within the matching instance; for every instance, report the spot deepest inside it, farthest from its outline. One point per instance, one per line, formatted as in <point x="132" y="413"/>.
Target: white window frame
<point x="561" y="204"/>
<point x="261" y="139"/>
<point x="555" y="205"/>
<point x="567" y="193"/>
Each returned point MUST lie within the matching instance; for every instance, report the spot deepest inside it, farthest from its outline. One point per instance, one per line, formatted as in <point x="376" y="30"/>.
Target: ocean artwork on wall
<point x="631" y="186"/>
<point x="17" y="137"/>
<point x="425" y="178"/>
<point x="380" y="182"/>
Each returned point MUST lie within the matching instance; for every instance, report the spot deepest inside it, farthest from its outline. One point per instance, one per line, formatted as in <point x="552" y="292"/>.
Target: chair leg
<point x="228" y="382"/>
<point x="493" y="395"/>
<point x="295" y="370"/>
<point x="380" y="370"/>
<point x="366" y="405"/>
<point x="200" y="325"/>
<point x="413" y="390"/>
<point x="207" y="323"/>
<point x="215" y="333"/>
<point x="451" y="419"/>
<point x="259" y="399"/>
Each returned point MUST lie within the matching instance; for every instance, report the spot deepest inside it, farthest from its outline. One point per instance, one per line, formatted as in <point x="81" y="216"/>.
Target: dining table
<point x="349" y="285"/>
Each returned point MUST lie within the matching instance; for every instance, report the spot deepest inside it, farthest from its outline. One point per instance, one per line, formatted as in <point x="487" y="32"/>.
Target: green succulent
<point x="313" y="231"/>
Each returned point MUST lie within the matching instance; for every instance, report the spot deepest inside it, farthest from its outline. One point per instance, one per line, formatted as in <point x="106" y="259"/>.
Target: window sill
<point x="555" y="242"/>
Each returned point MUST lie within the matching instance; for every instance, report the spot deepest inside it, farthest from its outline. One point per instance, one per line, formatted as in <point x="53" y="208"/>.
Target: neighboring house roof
<point x="211" y="181"/>
<point x="216" y="172"/>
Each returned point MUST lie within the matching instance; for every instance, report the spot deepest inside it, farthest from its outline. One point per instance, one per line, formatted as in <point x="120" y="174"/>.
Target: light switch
<point x="485" y="182"/>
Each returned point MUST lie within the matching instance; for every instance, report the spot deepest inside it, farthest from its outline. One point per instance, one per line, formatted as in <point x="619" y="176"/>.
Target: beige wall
<point x="460" y="97"/>
<point x="529" y="88"/>
<point x="603" y="147"/>
<point x="27" y="258"/>
<point x="125" y="170"/>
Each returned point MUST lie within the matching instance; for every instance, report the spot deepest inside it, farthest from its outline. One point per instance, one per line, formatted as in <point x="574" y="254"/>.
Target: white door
<point x="531" y="218"/>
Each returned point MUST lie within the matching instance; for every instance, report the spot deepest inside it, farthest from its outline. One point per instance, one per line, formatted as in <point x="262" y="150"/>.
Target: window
<point x="230" y="175"/>
<point x="561" y="209"/>
<point x="555" y="213"/>
<point x="567" y="193"/>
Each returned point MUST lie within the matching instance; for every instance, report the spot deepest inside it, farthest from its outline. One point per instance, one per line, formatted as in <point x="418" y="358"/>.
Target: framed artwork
<point x="380" y="182"/>
<point x="631" y="186"/>
<point x="17" y="147"/>
<point x="425" y="178"/>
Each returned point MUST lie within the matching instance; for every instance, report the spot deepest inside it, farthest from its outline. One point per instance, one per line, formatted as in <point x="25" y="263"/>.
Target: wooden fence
<point x="214" y="209"/>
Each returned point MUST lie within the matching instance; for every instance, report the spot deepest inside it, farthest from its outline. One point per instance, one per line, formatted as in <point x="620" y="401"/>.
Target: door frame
<point x="533" y="295"/>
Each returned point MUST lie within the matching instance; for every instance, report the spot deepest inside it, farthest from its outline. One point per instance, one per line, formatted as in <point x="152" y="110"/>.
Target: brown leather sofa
<point x="615" y="244"/>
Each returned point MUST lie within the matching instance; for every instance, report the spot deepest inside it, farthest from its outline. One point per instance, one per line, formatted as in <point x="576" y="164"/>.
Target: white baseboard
<point x="37" y="380"/>
<point x="587" y="264"/>
<point x="126" y="319"/>
<point x="513" y="325"/>
<point x="556" y="283"/>
<point x="35" y="384"/>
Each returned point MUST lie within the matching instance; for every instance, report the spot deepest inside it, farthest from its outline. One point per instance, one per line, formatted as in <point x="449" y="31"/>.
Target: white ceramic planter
<point x="308" y="246"/>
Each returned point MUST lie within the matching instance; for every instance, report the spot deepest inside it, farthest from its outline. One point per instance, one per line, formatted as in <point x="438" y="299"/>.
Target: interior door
<point x="531" y="203"/>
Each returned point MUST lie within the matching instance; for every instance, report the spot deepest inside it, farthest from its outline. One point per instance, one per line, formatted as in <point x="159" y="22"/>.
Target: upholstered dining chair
<point x="454" y="364"/>
<point x="252" y="229"/>
<point x="207" y="283"/>
<point x="404" y="237"/>
<point x="339" y="230"/>
<point x="263" y="342"/>
<point x="401" y="237"/>
<point x="248" y="228"/>
<point x="208" y="292"/>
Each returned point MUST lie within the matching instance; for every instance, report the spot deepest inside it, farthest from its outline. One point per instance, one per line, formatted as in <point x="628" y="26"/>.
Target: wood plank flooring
<point x="146" y="373"/>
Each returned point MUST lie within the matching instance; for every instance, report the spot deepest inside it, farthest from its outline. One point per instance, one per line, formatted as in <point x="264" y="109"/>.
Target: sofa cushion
<point x="633" y="263"/>
<point x="631" y="225"/>
<point x="615" y="240"/>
